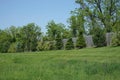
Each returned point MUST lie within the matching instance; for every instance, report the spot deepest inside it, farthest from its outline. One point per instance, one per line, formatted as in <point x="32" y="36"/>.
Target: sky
<point x="22" y="12"/>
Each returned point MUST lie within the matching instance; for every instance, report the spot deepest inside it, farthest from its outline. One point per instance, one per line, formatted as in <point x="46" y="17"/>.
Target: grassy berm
<point x="84" y="64"/>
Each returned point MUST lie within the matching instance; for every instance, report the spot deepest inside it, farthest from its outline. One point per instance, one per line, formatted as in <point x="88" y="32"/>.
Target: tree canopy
<point x="92" y="17"/>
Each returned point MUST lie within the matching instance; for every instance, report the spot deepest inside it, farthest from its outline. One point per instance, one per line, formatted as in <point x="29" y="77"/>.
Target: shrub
<point x="40" y="46"/>
<point x="99" y="37"/>
<point x="45" y="45"/>
<point x="80" y="41"/>
<point x="49" y="45"/>
<point x="59" y="43"/>
<point x="69" y="44"/>
<point x="4" y="47"/>
<point x="12" y="48"/>
<point x="116" y="39"/>
<point x="19" y="46"/>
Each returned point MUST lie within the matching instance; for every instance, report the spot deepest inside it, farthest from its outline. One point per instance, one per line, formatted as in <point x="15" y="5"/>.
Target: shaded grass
<point x="85" y="64"/>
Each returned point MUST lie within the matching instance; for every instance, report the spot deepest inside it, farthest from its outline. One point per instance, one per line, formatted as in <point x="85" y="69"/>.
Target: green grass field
<point x="85" y="64"/>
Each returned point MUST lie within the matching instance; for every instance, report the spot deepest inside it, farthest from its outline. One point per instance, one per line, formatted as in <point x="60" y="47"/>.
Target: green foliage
<point x="69" y="45"/>
<point x="30" y="34"/>
<point x="19" y="46"/>
<point x="89" y="14"/>
<point x="12" y="48"/>
<point x="40" y="46"/>
<point x="80" y="41"/>
<point x="73" y="25"/>
<point x="49" y="45"/>
<point x="15" y="47"/>
<point x="5" y="41"/>
<point x="116" y="39"/>
<point x="59" y="43"/>
<point x="4" y="46"/>
<point x="25" y="38"/>
<point x="103" y="13"/>
<point x="46" y="45"/>
<point x="99" y="37"/>
<point x="12" y="31"/>
<point x="53" y="29"/>
<point x="66" y="34"/>
<point x="116" y="27"/>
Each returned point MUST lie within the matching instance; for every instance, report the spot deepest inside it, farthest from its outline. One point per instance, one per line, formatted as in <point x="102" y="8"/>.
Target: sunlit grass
<point x="85" y="64"/>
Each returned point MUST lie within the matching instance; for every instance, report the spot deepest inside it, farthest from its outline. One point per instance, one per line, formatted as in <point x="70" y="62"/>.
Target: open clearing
<point x="84" y="64"/>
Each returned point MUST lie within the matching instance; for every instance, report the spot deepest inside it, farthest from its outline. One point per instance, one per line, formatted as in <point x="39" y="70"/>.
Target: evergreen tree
<point x="69" y="44"/>
<point x="99" y="37"/>
<point x="80" y="41"/>
<point x="59" y="43"/>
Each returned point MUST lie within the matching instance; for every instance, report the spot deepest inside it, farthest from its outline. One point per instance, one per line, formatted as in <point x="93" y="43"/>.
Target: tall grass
<point x="85" y="64"/>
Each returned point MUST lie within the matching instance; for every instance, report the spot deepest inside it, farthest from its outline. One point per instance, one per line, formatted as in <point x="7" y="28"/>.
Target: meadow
<point x="84" y="64"/>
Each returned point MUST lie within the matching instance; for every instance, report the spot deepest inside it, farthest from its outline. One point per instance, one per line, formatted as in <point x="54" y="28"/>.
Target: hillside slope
<point x="85" y="64"/>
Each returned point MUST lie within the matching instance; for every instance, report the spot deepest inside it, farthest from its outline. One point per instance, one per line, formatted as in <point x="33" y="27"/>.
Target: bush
<point x="15" y="47"/>
<point x="116" y="39"/>
<point x="80" y="41"/>
<point x="59" y="43"/>
<point x="4" y="47"/>
<point x="45" y="45"/>
<point x="20" y="46"/>
<point x="40" y="46"/>
<point x="69" y="44"/>
<point x="49" y="45"/>
<point x="99" y="37"/>
<point x="12" y="48"/>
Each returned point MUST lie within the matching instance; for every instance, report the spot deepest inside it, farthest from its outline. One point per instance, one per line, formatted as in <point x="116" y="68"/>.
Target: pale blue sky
<point x="21" y="12"/>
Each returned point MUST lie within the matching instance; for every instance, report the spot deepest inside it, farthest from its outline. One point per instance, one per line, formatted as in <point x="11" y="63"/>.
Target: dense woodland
<point x="92" y="17"/>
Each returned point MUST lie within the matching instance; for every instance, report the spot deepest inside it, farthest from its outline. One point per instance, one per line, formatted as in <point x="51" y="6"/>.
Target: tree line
<point x="92" y="17"/>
